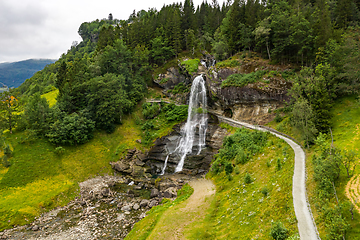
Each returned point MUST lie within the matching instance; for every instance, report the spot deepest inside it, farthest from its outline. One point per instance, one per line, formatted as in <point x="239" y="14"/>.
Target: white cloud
<point x="46" y="29"/>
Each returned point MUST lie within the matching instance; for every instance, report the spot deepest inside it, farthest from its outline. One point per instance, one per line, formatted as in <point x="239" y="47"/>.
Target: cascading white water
<point x="163" y="170"/>
<point x="197" y="119"/>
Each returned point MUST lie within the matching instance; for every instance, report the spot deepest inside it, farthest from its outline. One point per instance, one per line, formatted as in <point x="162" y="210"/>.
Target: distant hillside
<point x="14" y="74"/>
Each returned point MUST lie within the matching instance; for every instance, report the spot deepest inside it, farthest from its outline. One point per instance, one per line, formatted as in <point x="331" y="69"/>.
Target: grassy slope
<point x="346" y="133"/>
<point x="39" y="179"/>
<point x="240" y="209"/>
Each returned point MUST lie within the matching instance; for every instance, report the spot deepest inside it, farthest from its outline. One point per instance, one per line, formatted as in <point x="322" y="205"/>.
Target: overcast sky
<point x="47" y="28"/>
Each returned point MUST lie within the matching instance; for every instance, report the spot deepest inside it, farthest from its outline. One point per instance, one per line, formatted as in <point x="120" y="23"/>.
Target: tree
<point x="37" y="113"/>
<point x="73" y="129"/>
<point x="9" y="109"/>
<point x="349" y="160"/>
<point x="302" y="120"/>
<point x="262" y="33"/>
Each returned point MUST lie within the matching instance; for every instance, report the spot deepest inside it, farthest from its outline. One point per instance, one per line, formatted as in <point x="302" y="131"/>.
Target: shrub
<point x="241" y="157"/>
<point x="248" y="179"/>
<point x="148" y="125"/>
<point x="5" y="162"/>
<point x="72" y="129"/>
<point x="180" y="88"/>
<point x="59" y="151"/>
<point x="278" y="118"/>
<point x="265" y="191"/>
<point x="228" y="168"/>
<point x="191" y="65"/>
<point x="150" y="110"/>
<point x="175" y="113"/>
<point x="278" y="231"/>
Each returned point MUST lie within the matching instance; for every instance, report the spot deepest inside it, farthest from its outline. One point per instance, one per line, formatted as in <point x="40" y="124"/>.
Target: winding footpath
<point x="306" y="224"/>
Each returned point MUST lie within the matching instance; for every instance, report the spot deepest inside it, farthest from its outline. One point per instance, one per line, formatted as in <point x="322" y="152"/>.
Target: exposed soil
<point x="175" y="221"/>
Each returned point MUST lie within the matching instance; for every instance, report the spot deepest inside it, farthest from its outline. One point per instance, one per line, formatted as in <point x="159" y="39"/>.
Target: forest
<point x="101" y="79"/>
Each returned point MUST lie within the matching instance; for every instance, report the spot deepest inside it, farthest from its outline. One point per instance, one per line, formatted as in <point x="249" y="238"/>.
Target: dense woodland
<point x="104" y="76"/>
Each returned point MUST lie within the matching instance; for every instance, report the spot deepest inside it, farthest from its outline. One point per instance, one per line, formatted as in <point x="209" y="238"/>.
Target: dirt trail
<point x="175" y="221"/>
<point x="352" y="191"/>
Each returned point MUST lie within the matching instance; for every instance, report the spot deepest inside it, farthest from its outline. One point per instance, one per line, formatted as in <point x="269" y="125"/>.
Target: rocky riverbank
<point x="107" y="208"/>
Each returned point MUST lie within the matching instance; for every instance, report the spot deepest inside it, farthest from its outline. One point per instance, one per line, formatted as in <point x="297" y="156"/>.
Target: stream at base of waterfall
<point x="196" y="123"/>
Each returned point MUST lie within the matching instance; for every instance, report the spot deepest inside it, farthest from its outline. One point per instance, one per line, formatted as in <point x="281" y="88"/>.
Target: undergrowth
<point x="241" y="80"/>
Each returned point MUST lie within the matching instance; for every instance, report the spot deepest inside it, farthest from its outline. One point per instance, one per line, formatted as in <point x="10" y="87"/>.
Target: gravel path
<point x="306" y="224"/>
<point x="173" y="224"/>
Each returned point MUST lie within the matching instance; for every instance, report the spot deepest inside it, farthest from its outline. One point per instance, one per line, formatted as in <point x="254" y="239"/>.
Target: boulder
<point x="144" y="203"/>
<point x="121" y="166"/>
<point x="153" y="203"/>
<point x="126" y="208"/>
<point x="154" y="193"/>
<point x="136" y="206"/>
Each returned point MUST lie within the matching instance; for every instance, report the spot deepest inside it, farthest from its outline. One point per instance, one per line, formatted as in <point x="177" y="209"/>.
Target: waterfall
<point x="196" y="121"/>
<point x="163" y="169"/>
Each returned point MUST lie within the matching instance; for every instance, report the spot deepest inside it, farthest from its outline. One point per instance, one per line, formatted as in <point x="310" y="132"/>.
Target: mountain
<point x="15" y="73"/>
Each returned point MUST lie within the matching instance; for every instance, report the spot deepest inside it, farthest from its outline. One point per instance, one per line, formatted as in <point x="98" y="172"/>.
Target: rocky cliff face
<point x="138" y="164"/>
<point x="252" y="103"/>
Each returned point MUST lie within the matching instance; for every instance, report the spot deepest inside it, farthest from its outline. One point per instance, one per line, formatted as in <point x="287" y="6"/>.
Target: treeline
<point x="105" y="75"/>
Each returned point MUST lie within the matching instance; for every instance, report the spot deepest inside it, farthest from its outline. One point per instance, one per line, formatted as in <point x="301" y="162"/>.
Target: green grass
<point x="241" y="80"/>
<point x="39" y="179"/>
<point x="241" y="209"/>
<point x="144" y="228"/>
<point x="51" y="97"/>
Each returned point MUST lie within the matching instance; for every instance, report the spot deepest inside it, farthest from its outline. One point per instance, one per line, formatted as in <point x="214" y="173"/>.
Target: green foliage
<point x="241" y="80"/>
<point x="180" y="88"/>
<point x="191" y="65"/>
<point x="59" y="151"/>
<point x="238" y="146"/>
<point x="37" y="114"/>
<point x="150" y="110"/>
<point x="175" y="113"/>
<point x="230" y="63"/>
<point x="265" y="191"/>
<point x="70" y="130"/>
<point x="248" y="179"/>
<point x="278" y="231"/>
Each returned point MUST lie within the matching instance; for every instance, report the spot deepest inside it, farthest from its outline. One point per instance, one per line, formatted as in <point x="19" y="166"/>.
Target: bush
<point x="175" y="113"/>
<point x="265" y="191"/>
<point x="248" y="179"/>
<point x="5" y="162"/>
<point x="241" y="157"/>
<point x="278" y="118"/>
<point x="59" y="151"/>
<point x="72" y="129"/>
<point x="278" y="231"/>
<point x="228" y="168"/>
<point x="191" y="65"/>
<point x="150" y="110"/>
